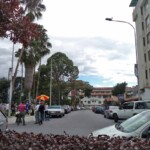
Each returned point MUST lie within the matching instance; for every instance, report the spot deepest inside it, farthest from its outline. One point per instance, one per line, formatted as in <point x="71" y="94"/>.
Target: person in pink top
<point x="22" y="110"/>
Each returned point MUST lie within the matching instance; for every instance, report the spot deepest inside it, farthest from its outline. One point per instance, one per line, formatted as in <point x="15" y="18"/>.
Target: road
<point x="79" y="123"/>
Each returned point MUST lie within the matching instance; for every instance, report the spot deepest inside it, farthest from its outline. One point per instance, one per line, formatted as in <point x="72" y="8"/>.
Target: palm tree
<point x="33" y="8"/>
<point x="32" y="56"/>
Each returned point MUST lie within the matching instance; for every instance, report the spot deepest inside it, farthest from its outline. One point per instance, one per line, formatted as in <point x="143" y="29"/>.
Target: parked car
<point x="67" y="109"/>
<point x="3" y="122"/>
<point x="78" y="108"/>
<point x="129" y="109"/>
<point x="108" y="112"/>
<point x="56" y="111"/>
<point x="93" y="108"/>
<point x="136" y="126"/>
<point x="99" y="110"/>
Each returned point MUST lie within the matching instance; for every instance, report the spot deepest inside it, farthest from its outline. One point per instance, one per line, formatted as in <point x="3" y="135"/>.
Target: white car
<point x="108" y="113"/>
<point x="136" y="126"/>
<point x="56" y="110"/>
<point x="129" y="109"/>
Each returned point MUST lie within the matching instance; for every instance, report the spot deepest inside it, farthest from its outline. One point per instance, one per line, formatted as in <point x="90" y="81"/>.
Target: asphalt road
<point x="79" y="123"/>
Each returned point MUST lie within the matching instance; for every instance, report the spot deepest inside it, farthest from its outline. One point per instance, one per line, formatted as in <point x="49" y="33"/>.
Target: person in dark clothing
<point x="41" y="112"/>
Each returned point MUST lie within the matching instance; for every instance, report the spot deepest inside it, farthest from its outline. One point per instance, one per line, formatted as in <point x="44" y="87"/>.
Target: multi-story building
<point x="99" y="94"/>
<point x="141" y="17"/>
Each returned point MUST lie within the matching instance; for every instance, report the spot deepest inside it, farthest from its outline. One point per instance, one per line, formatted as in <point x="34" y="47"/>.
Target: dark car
<point x="99" y="110"/>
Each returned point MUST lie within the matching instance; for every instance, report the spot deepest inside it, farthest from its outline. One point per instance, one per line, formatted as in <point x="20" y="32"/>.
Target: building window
<point x="89" y="102"/>
<point x="143" y="26"/>
<point x="141" y="11"/>
<point x="145" y="57"/>
<point x="146" y="7"/>
<point x="147" y="21"/>
<point x="146" y="75"/>
<point x="148" y="38"/>
<point x="143" y="41"/>
<point x="149" y="55"/>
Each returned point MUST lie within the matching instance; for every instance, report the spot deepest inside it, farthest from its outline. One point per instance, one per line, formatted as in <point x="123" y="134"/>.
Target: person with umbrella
<point x="41" y="112"/>
<point x="41" y="109"/>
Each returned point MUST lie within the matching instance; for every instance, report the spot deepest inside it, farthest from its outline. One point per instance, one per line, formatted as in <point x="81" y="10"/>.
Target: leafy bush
<point x="12" y="140"/>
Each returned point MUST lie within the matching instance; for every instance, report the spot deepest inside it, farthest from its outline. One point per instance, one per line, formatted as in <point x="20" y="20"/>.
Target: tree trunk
<point x="15" y="73"/>
<point x="29" y="70"/>
<point x="38" y="81"/>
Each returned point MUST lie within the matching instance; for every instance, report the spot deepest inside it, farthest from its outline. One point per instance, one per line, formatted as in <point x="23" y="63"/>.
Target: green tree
<point x="32" y="55"/>
<point x="80" y="87"/>
<point x="33" y="8"/>
<point x="63" y="71"/>
<point x="4" y="85"/>
<point x="119" y="89"/>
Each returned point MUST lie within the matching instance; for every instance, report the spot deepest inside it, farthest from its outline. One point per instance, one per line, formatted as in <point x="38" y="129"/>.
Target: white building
<point x="97" y="96"/>
<point x="141" y="17"/>
<point x="93" y="101"/>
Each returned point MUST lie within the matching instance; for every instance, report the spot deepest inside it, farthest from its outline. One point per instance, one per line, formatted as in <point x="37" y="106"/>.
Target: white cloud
<point x="103" y="51"/>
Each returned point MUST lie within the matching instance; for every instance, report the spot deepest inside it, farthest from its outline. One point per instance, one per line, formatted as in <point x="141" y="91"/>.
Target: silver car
<point x="136" y="126"/>
<point x="56" y="110"/>
<point x="3" y="122"/>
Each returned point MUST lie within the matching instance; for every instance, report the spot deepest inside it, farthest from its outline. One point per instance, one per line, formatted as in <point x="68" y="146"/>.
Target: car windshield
<point x="134" y="122"/>
<point x="54" y="107"/>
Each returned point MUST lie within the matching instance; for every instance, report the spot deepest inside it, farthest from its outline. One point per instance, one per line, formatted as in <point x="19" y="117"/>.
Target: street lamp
<point x="50" y="93"/>
<point x="11" y="83"/>
<point x="135" y="40"/>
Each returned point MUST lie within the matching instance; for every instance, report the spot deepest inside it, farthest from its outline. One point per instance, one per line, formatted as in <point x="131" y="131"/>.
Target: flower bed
<point x="12" y="140"/>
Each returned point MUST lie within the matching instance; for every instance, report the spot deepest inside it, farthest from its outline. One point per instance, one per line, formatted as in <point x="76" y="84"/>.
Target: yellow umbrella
<point x="42" y="97"/>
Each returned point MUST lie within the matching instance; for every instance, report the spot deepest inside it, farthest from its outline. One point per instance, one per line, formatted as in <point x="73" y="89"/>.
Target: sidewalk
<point x="28" y="118"/>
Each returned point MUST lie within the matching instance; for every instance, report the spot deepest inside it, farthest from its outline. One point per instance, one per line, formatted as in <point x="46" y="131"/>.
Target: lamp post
<point x="11" y="83"/>
<point x="50" y="93"/>
<point x="135" y="40"/>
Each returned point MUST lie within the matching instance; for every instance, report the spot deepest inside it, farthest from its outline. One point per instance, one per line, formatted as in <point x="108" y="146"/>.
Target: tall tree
<point x="4" y="85"/>
<point x="119" y="89"/>
<point x="32" y="55"/>
<point x="14" y="25"/>
<point x="33" y="8"/>
<point x="63" y="71"/>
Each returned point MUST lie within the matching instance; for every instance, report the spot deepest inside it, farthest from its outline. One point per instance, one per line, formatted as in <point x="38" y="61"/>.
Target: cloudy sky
<point x="104" y="51"/>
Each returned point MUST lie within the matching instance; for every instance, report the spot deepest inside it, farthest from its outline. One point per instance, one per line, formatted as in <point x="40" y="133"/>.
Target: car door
<point x="139" y="107"/>
<point x="145" y="133"/>
<point x="127" y="110"/>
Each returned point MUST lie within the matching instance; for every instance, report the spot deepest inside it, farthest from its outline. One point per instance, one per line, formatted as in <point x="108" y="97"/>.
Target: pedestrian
<point x="13" y="109"/>
<point x="22" y="110"/>
<point x="36" y="112"/>
<point x="41" y="112"/>
<point x="47" y="114"/>
<point x="27" y="107"/>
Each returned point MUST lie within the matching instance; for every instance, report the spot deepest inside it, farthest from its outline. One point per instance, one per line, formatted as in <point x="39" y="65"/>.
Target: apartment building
<point x="141" y="17"/>
<point x="98" y="95"/>
<point x="101" y="92"/>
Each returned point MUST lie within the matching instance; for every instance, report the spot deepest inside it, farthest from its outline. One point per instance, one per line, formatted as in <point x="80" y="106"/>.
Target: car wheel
<point x="115" y="116"/>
